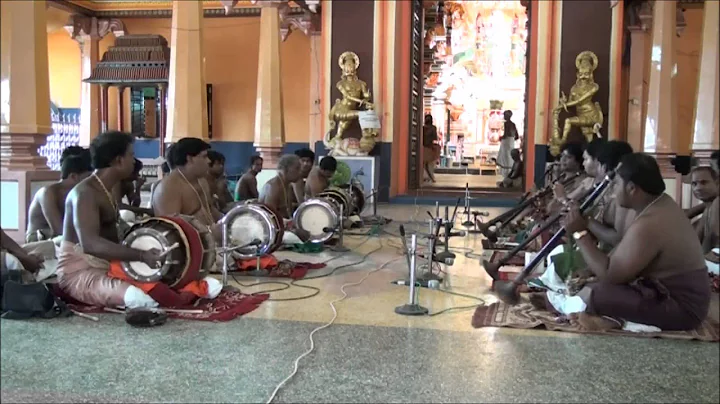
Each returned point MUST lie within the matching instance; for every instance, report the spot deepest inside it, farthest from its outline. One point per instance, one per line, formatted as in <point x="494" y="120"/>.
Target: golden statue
<point x="589" y="115"/>
<point x="355" y="95"/>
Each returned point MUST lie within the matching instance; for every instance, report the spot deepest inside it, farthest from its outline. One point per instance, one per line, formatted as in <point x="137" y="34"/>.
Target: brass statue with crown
<point x="355" y="98"/>
<point x="588" y="114"/>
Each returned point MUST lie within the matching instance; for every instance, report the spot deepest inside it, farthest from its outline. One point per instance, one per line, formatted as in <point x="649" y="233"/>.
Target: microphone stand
<point x="412" y="308"/>
<point x="432" y="237"/>
<point x="340" y="247"/>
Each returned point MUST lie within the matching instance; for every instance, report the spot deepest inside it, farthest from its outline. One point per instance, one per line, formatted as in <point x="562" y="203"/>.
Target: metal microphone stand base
<point x="429" y="276"/>
<point x="411" y="310"/>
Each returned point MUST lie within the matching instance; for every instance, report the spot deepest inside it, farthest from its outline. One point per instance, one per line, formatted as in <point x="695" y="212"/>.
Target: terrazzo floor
<point x="370" y="354"/>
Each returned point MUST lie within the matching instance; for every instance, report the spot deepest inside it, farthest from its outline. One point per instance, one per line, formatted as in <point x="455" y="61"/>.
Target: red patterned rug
<point x="525" y="316"/>
<point x="283" y="269"/>
<point x="229" y="305"/>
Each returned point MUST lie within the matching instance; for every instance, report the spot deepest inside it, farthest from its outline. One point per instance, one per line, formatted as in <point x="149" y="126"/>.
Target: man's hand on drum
<point x="152" y="257"/>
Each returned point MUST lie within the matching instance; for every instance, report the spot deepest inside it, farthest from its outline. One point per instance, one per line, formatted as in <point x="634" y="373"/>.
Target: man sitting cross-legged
<point x="47" y="208"/>
<point x="705" y="187"/>
<point x="90" y="236"/>
<point x="319" y="178"/>
<point x="185" y="190"/>
<point x="246" y="188"/>
<point x="217" y="180"/>
<point x="277" y="194"/>
<point x="656" y="275"/>
<point x="15" y="258"/>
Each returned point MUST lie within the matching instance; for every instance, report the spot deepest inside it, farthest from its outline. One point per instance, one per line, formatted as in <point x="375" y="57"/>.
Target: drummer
<point x="277" y="192"/>
<point x="185" y="191"/>
<point x="319" y="178"/>
<point x="307" y="161"/>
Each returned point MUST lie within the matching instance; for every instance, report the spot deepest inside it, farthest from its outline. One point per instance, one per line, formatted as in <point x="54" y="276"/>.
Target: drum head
<point x="358" y="198"/>
<point x="251" y="222"/>
<point x="315" y="215"/>
<point x="141" y="269"/>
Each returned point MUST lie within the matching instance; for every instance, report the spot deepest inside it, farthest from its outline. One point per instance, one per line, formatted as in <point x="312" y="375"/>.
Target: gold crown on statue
<point x="496" y="104"/>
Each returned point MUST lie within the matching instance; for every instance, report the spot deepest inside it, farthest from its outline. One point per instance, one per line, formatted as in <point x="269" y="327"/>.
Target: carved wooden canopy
<point x="134" y="59"/>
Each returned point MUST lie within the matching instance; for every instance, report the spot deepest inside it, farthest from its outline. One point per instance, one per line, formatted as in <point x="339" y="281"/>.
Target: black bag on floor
<point x="26" y="300"/>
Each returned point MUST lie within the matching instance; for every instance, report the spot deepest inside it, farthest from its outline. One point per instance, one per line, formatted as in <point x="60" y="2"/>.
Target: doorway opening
<point x="472" y="82"/>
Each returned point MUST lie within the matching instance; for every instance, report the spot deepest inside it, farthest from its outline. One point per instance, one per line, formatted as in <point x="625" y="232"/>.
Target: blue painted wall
<point x="237" y="154"/>
<point x="382" y="149"/>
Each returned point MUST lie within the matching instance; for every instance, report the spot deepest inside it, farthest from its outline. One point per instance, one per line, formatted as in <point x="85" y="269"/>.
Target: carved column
<point x="269" y="114"/>
<point x="88" y="31"/>
<point x="162" y="109"/>
<point x="104" y="107"/>
<point x="25" y="122"/>
<point x="705" y="131"/>
<point x="639" y="27"/>
<point x="121" y="109"/>
<point x="187" y="97"/>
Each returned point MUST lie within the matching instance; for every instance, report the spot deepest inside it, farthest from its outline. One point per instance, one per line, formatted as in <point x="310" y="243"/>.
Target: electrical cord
<point x="329" y="323"/>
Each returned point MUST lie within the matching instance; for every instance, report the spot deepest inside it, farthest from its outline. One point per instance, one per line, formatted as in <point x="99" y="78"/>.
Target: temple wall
<point x="231" y="49"/>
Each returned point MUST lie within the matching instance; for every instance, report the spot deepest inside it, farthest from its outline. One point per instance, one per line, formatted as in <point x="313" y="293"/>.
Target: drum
<point x="340" y="196"/>
<point x="316" y="215"/>
<point x="357" y="197"/>
<point x="254" y="221"/>
<point x="190" y="260"/>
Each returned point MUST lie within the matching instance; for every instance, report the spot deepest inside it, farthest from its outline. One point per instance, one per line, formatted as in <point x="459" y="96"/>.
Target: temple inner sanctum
<point x="271" y="201"/>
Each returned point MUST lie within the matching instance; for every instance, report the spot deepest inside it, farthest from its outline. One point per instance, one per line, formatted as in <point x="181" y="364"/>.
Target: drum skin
<point x="304" y="217"/>
<point x="254" y="220"/>
<point x="341" y="197"/>
<point x="183" y="264"/>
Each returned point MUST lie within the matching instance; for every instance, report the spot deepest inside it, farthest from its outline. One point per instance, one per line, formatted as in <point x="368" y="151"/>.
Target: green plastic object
<point x="342" y="174"/>
<point x="307" y="247"/>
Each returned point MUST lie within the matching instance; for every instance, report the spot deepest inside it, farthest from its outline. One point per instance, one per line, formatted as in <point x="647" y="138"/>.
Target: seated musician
<point x="130" y="190"/>
<point x="165" y="168"/>
<point x="571" y="164"/>
<point x="246" y="188"/>
<point x="15" y="258"/>
<point x="218" y="181"/>
<point x="656" y="275"/>
<point x="515" y="176"/>
<point x="185" y="191"/>
<point x="307" y="161"/>
<point x="48" y="205"/>
<point x="705" y="187"/>
<point x="319" y="178"/>
<point x="276" y="195"/>
<point x="90" y="235"/>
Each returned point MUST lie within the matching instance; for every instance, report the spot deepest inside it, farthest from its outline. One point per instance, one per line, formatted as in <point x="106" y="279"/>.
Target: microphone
<point x="461" y="233"/>
<point x="328" y="230"/>
<point x="447" y="261"/>
<point x="485" y="214"/>
<point x="424" y="283"/>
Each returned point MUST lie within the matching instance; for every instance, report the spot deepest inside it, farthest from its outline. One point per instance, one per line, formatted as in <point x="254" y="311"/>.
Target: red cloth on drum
<point x="196" y="250"/>
<point x="160" y="292"/>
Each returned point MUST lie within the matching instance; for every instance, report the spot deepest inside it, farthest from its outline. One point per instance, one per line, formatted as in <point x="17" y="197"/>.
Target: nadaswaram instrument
<point x="190" y="250"/>
<point x="508" y="291"/>
<point x="507" y="217"/>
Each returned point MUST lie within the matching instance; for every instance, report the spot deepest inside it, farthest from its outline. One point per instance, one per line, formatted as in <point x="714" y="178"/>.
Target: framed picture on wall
<point x="209" y="110"/>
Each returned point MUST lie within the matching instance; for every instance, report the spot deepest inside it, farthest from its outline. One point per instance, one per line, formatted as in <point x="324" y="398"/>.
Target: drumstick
<point x="167" y="250"/>
<point x="111" y="310"/>
<point x="83" y="315"/>
<point x="184" y="311"/>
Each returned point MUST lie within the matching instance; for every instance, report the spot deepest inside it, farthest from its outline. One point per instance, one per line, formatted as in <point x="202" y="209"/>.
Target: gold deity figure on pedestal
<point x="355" y="98"/>
<point x="589" y="116"/>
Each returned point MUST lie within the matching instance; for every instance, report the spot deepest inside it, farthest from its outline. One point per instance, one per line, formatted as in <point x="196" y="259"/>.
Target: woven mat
<point x="525" y="316"/>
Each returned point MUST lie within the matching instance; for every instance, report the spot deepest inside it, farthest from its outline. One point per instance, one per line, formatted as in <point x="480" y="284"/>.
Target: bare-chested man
<point x="218" y="181"/>
<point x="319" y="178"/>
<point x="90" y="235"/>
<point x="185" y="190"/>
<point x="47" y="208"/>
<point x="246" y="188"/>
<point x="705" y="187"/>
<point x="277" y="193"/>
<point x="130" y="190"/>
<point x="656" y="276"/>
<point x="307" y="161"/>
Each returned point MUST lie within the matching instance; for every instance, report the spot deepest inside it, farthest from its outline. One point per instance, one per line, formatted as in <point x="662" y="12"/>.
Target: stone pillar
<point x="315" y="124"/>
<point x="269" y="114"/>
<point x="661" y="118"/>
<point x="187" y="97"/>
<point x="162" y="101"/>
<point x="25" y="122"/>
<point x="637" y="94"/>
<point x="705" y="131"/>
<point x="121" y="109"/>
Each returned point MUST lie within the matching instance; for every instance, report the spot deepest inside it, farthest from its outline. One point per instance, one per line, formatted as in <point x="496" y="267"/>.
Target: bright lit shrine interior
<point x="359" y="201"/>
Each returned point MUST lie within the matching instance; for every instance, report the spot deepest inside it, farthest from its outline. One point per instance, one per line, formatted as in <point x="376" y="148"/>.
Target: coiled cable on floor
<point x="329" y="323"/>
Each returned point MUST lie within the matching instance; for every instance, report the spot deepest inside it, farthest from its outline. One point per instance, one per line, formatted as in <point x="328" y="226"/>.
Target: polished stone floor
<point x="370" y="354"/>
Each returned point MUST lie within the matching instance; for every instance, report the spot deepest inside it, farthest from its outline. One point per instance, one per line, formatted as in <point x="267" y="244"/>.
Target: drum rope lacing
<point x="108" y="195"/>
<point x="204" y="207"/>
